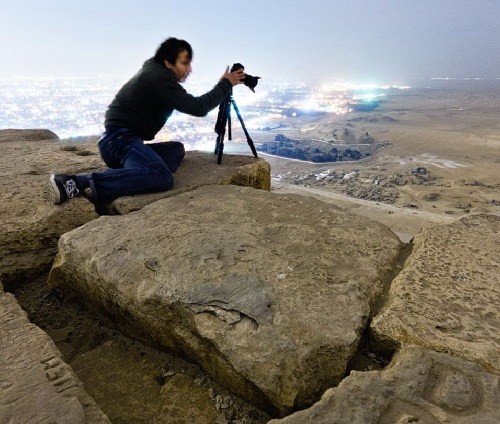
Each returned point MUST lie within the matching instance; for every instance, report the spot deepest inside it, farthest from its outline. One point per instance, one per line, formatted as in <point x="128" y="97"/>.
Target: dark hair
<point x="169" y="50"/>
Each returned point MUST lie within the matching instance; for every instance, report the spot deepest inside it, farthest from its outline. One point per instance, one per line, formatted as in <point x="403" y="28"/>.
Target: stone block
<point x="36" y="385"/>
<point x="447" y="297"/>
<point x="31" y="225"/>
<point x="419" y="386"/>
<point x="270" y="294"/>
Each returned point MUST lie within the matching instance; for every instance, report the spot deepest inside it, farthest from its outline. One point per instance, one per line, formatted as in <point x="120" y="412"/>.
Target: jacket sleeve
<point x="184" y="102"/>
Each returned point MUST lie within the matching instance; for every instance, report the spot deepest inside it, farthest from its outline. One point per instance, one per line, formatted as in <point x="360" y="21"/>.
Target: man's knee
<point x="175" y="155"/>
<point x="178" y="149"/>
<point x="171" y="152"/>
<point x="163" y="178"/>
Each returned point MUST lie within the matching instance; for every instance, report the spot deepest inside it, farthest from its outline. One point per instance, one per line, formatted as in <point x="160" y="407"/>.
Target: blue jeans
<point x="137" y="168"/>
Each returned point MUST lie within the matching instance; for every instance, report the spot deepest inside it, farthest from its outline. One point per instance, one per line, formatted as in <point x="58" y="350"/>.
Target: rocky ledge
<point x="447" y="297"/>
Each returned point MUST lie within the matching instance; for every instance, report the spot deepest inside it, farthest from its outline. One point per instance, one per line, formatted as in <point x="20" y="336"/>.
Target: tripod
<point x="224" y="118"/>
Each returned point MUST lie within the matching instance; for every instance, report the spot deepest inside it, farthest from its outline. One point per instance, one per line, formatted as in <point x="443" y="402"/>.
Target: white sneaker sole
<point x="55" y="193"/>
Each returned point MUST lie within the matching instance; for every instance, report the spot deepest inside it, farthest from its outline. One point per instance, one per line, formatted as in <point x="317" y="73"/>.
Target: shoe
<point x="63" y="188"/>
<point x="101" y="208"/>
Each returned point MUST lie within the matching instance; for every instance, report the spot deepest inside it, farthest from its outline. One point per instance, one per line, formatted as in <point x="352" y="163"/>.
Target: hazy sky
<point x="361" y="40"/>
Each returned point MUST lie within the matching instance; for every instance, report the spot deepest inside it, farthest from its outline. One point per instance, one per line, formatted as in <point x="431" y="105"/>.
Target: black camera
<point x="250" y="81"/>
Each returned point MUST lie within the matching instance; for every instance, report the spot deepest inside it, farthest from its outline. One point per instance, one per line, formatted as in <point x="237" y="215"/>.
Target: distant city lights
<point x="75" y="107"/>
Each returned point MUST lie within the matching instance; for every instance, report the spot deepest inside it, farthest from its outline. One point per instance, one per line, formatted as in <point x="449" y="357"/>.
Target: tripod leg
<point x="219" y="154"/>
<point x="218" y="141"/>
<point x="220" y="124"/>
<point x="223" y="120"/>
<point x="249" y="140"/>
<point x="219" y="148"/>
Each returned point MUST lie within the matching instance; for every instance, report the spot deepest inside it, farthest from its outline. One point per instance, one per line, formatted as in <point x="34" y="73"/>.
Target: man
<point x="139" y="110"/>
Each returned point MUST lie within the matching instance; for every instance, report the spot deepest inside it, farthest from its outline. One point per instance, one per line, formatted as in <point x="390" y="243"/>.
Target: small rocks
<point x="420" y="170"/>
<point x="369" y="184"/>
<point x="431" y="197"/>
<point x="69" y="148"/>
<point x="201" y="380"/>
<point x="222" y="402"/>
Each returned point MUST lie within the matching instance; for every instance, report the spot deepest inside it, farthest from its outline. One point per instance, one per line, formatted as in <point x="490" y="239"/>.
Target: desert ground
<point x="453" y="133"/>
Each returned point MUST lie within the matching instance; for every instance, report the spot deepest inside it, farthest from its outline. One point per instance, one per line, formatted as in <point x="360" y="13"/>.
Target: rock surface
<point x="420" y="386"/>
<point x="198" y="169"/>
<point x="30" y="224"/>
<point x="447" y="297"/>
<point x="13" y="135"/>
<point x="36" y="385"/>
<point x="111" y="388"/>
<point x="269" y="294"/>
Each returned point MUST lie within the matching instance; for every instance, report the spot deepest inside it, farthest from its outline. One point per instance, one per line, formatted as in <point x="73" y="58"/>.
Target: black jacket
<point x="148" y="99"/>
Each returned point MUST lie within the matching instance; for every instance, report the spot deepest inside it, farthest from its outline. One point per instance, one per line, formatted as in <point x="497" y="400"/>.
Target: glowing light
<point x="310" y="104"/>
<point x="366" y="97"/>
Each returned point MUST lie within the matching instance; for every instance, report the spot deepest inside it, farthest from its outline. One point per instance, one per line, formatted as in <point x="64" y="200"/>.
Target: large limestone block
<point x="30" y="224"/>
<point x="36" y="386"/>
<point x="270" y="294"/>
<point x="198" y="169"/>
<point x="419" y="386"/>
<point x="447" y="297"/>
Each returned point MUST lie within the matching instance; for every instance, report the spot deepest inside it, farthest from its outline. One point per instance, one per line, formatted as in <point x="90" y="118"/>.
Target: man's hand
<point x="235" y="77"/>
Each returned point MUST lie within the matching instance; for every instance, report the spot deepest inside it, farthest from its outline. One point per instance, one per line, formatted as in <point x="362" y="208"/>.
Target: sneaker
<point x="63" y="188"/>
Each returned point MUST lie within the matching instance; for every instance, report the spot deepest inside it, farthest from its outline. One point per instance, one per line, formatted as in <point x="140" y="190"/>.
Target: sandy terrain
<point x="453" y="134"/>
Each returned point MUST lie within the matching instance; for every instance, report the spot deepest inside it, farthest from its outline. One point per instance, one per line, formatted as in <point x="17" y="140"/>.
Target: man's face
<point x="182" y="67"/>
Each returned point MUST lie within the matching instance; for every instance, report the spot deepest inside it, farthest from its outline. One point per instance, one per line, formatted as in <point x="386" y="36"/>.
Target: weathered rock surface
<point x="447" y="297"/>
<point x="269" y="294"/>
<point x="110" y="387"/>
<point x="12" y="135"/>
<point x="420" y="386"/>
<point x="30" y="224"/>
<point x="36" y="385"/>
<point x="198" y="169"/>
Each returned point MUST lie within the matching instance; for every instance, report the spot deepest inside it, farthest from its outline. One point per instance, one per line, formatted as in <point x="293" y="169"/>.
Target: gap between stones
<point x="76" y="332"/>
<point x="374" y="354"/>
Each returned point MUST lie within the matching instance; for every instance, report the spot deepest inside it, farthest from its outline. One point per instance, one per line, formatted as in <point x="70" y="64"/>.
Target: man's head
<point x="176" y="55"/>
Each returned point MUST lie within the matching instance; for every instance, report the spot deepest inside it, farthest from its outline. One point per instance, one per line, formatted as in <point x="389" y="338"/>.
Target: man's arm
<point x="200" y="106"/>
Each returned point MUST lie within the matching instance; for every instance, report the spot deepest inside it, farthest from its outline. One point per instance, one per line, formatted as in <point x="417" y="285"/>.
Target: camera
<point x="250" y="81"/>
